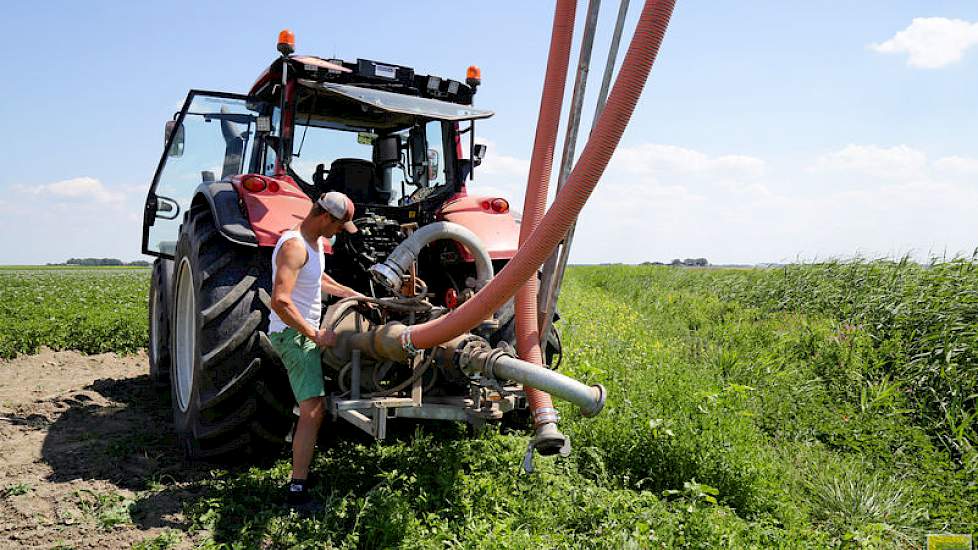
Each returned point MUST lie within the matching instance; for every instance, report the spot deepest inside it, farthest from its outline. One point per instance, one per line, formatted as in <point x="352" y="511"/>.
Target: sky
<point x="768" y="131"/>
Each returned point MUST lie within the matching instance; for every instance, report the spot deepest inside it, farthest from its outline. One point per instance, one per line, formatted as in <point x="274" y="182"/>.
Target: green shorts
<point x="303" y="361"/>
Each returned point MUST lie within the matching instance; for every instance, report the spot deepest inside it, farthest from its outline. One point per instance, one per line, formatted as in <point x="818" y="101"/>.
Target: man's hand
<point x="325" y="338"/>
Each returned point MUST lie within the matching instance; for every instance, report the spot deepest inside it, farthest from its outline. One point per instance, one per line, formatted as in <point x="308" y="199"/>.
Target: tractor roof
<point x="366" y="94"/>
<point x="364" y="73"/>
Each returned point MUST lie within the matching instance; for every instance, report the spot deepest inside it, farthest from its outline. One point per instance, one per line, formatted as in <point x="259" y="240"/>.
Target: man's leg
<point x="311" y="414"/>
<point x="303" y="362"/>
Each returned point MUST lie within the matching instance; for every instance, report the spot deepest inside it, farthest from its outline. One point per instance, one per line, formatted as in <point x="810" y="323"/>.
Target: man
<point x="298" y="283"/>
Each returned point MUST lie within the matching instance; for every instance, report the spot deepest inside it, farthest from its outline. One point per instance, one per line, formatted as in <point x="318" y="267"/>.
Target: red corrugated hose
<point x="537" y="247"/>
<point x="535" y="202"/>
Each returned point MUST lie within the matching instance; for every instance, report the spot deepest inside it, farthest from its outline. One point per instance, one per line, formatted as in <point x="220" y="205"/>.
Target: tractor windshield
<point x="372" y="165"/>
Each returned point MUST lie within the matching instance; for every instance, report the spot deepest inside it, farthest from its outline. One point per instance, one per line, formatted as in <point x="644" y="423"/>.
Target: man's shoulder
<point x="292" y="251"/>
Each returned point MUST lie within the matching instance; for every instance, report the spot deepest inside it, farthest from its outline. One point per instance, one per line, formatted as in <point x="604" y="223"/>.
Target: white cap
<point x="340" y="207"/>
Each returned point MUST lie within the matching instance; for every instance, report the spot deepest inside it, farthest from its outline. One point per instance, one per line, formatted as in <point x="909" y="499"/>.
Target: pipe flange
<point x="465" y="354"/>
<point x="491" y="359"/>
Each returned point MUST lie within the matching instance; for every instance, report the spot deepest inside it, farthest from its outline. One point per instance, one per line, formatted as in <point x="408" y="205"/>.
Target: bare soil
<point x="87" y="454"/>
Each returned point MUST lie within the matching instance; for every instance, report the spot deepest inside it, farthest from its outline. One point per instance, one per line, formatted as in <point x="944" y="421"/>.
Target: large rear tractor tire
<point x="159" y="322"/>
<point x="230" y="392"/>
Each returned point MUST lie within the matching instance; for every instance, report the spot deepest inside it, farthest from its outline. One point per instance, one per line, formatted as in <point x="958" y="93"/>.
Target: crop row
<point x="92" y="311"/>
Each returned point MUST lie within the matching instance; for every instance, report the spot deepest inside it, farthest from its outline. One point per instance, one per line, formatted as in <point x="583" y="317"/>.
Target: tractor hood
<point x="407" y="106"/>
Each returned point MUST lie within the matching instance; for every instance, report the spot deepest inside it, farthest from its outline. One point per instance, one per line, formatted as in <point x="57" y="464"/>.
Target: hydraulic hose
<point x="535" y="202"/>
<point x="570" y="200"/>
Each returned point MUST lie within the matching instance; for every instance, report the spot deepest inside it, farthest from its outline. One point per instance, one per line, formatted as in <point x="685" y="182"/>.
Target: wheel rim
<point x="185" y="335"/>
<point x="154" y="327"/>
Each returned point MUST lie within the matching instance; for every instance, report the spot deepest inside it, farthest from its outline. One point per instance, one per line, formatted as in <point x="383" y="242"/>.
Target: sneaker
<point x="298" y="498"/>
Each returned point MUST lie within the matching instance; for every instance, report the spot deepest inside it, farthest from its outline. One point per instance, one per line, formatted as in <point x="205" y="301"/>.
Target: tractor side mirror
<point x="387" y="150"/>
<point x="176" y="149"/>
<point x="478" y="152"/>
<point x="432" y="164"/>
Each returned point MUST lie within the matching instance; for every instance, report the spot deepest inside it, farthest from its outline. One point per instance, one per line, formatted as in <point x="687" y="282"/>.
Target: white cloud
<point x="654" y="158"/>
<point x="932" y="42"/>
<point x="684" y="203"/>
<point x="505" y="165"/>
<point x="502" y="175"/>
<point x="82" y="189"/>
<point x="78" y="217"/>
<point x="958" y="165"/>
<point x="872" y="160"/>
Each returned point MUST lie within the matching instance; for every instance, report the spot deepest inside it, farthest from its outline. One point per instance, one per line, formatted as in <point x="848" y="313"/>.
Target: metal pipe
<point x="567" y="156"/>
<point x="590" y="399"/>
<point x="552" y="286"/>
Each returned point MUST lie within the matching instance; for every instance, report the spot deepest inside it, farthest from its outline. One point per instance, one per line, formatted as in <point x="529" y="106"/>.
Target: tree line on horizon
<point x="103" y="262"/>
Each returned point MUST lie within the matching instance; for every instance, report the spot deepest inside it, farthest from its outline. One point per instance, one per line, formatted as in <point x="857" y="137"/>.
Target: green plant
<point x="108" y="510"/>
<point x="16" y="489"/>
<point x="854" y="502"/>
<point x="169" y="538"/>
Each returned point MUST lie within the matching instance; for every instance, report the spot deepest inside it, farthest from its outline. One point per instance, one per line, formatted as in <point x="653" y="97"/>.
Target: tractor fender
<point x="498" y="231"/>
<point x="223" y="201"/>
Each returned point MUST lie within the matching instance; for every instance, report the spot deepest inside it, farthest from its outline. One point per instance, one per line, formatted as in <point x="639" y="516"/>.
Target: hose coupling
<point x="387" y="274"/>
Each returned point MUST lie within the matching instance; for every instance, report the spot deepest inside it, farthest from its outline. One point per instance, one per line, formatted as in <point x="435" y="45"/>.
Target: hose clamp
<point x="406" y="343"/>
<point x="544" y="415"/>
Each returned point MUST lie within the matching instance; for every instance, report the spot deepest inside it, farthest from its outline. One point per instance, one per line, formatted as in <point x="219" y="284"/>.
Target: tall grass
<point x="922" y="321"/>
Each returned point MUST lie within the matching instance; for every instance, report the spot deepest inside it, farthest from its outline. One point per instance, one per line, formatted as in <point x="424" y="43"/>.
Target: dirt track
<point x="87" y="458"/>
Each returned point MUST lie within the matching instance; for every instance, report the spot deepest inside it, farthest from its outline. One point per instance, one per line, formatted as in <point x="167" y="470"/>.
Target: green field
<point x="92" y="310"/>
<point x="810" y="406"/>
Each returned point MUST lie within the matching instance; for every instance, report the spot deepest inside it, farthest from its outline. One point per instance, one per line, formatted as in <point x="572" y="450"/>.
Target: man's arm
<point x="288" y="262"/>
<point x="332" y="287"/>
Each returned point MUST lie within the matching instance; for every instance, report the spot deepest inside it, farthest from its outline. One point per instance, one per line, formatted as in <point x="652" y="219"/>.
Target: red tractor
<point x="237" y="170"/>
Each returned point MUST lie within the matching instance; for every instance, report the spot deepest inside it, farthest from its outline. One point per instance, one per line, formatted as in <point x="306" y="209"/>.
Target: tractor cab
<point x="396" y="142"/>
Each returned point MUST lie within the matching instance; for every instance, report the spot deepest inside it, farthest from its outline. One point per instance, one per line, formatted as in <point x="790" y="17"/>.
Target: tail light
<point x="254" y="184"/>
<point x="499" y="206"/>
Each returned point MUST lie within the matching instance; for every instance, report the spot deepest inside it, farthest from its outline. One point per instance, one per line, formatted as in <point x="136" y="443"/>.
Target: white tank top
<point x="307" y="292"/>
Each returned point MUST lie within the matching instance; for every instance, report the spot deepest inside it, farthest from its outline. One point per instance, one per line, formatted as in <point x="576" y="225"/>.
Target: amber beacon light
<point x="473" y="76"/>
<point x="286" y="42"/>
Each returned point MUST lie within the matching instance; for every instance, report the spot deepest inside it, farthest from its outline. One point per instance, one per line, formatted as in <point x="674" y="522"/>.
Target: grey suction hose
<point x="392" y="270"/>
<point x="590" y="399"/>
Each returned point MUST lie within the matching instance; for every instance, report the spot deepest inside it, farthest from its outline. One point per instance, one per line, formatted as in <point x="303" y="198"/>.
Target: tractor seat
<point x="357" y="178"/>
<point x="319" y="177"/>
